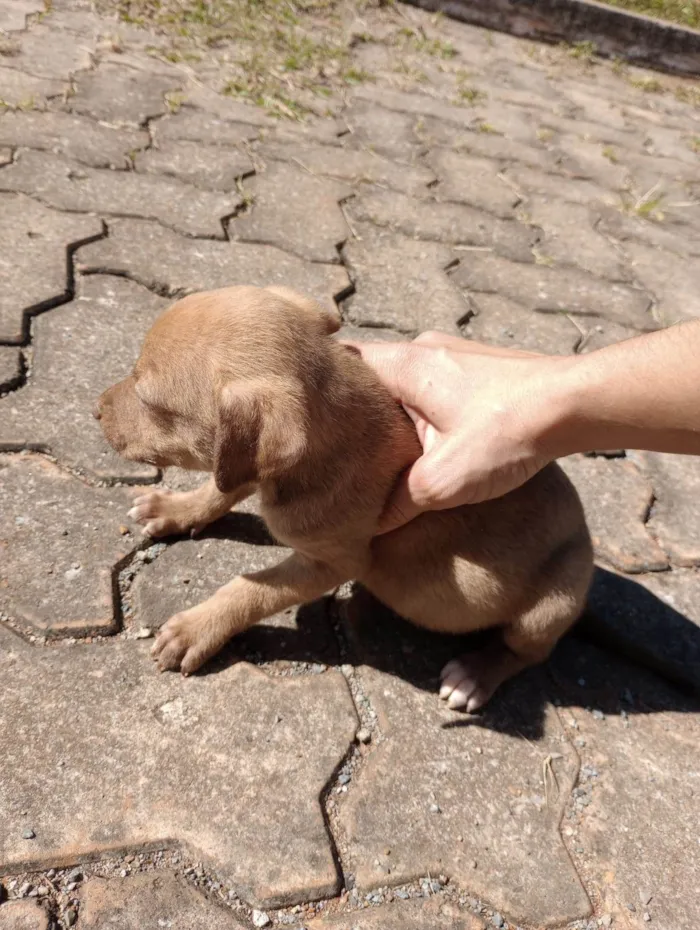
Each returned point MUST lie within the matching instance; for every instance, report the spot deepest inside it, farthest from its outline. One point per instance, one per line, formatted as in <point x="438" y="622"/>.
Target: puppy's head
<point x="223" y="384"/>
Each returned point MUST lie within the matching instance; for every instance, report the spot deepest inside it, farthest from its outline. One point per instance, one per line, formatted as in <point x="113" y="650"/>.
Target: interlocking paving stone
<point x="675" y="517"/>
<point x="190" y="124"/>
<point x="490" y="799"/>
<point x="190" y="571"/>
<point x="67" y="185"/>
<point x="121" y="95"/>
<point x="23" y="915"/>
<point x="654" y="619"/>
<point x="162" y="260"/>
<point x="207" y="166"/>
<point x="530" y="181"/>
<point x="384" y="131"/>
<point x="60" y="541"/>
<point x="634" y="837"/>
<point x="80" y="351"/>
<point x="10" y="367"/>
<point x="225" y="107"/>
<point x="149" y="902"/>
<point x="387" y="296"/>
<point x="553" y="290"/>
<point x="445" y="222"/>
<point x="501" y="322"/>
<point x="672" y="279"/>
<point x="18" y="89"/>
<point x="569" y="237"/>
<point x="41" y="55"/>
<point x="617" y="500"/>
<point x="672" y="237"/>
<point x="81" y="139"/>
<point x="671" y="143"/>
<point x="473" y="181"/>
<point x="231" y="764"/>
<point x="603" y="164"/>
<point x="295" y="211"/>
<point x="14" y="13"/>
<point x="34" y="243"/>
<point x="411" y="915"/>
<point x="352" y="165"/>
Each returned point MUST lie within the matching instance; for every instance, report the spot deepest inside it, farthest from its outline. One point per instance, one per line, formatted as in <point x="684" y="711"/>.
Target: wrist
<point x="566" y="392"/>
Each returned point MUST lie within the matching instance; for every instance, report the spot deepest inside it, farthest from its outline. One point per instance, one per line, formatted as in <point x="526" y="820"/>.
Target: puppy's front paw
<point x="187" y="640"/>
<point x="164" y="513"/>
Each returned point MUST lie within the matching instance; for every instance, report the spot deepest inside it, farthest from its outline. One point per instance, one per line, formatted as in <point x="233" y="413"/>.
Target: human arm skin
<point x="490" y="418"/>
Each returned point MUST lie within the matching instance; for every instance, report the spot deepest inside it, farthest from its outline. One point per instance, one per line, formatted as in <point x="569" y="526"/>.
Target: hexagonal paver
<point x="411" y="915"/>
<point x="553" y="290"/>
<point x="379" y="130"/>
<point x="149" y="902"/>
<point x="123" y="96"/>
<point x="23" y="915"/>
<point x="670" y="278"/>
<point x="20" y="89"/>
<point x="230" y="764"/>
<point x="617" y="500"/>
<point x="34" y="261"/>
<point x="10" y="367"/>
<point x="637" y="740"/>
<point x="352" y="165"/>
<point x="190" y="124"/>
<point x="190" y="571"/>
<point x="569" y="237"/>
<point x="67" y="185"/>
<point x="296" y="211"/>
<point x="675" y="516"/>
<point x="441" y="796"/>
<point x="165" y="261"/>
<point x="444" y="222"/>
<point x="39" y="54"/>
<point x="502" y="322"/>
<point x="401" y="283"/>
<point x="60" y="543"/>
<point x="79" y="352"/>
<point x="473" y="181"/>
<point x="64" y="134"/>
<point x="14" y="13"/>
<point x="654" y="619"/>
<point x="670" y="236"/>
<point x="207" y="166"/>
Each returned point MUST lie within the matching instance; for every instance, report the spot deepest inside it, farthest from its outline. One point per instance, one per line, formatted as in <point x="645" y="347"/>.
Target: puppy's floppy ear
<point x="261" y="432"/>
<point x="329" y="322"/>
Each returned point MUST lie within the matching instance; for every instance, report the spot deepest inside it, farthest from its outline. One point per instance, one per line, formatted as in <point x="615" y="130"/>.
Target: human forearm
<point x="640" y="394"/>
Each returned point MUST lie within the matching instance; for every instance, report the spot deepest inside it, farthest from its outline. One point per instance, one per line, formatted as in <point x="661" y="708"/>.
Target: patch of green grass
<point x="683" y="12"/>
<point x="610" y="153"/>
<point x="470" y="95"/>
<point x="688" y="93"/>
<point x="650" y="85"/>
<point x="584" y="51"/>
<point x="544" y="134"/>
<point x="647" y="206"/>
<point x="357" y="76"/>
<point x="488" y="129"/>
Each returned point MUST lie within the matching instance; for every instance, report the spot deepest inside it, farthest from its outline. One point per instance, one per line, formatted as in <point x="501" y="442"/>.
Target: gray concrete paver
<point x="80" y="352"/>
<point x="67" y="185"/>
<point x="209" y="167"/>
<point x="60" y="543"/>
<point x="149" y="902"/>
<point x="10" y="367"/>
<point x="231" y="765"/>
<point x="20" y="89"/>
<point x="34" y="244"/>
<point x="81" y="139"/>
<point x="122" y="96"/>
<point x="162" y="260"/>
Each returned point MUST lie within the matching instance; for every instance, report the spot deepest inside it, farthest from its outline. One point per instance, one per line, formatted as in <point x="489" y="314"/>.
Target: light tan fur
<point x="248" y="384"/>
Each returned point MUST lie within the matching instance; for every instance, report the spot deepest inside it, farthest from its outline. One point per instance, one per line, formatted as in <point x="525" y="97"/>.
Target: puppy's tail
<point x="330" y="322"/>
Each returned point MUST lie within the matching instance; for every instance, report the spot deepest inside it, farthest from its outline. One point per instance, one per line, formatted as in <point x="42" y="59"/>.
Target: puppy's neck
<point x="359" y="438"/>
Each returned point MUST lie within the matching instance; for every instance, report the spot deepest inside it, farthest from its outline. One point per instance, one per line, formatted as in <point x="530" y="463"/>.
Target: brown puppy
<point x="247" y="383"/>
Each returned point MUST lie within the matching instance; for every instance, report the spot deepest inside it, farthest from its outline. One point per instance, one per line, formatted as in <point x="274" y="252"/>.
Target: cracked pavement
<point x="311" y="778"/>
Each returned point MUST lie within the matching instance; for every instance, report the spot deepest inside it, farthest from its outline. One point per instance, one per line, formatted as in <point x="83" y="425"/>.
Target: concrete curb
<point x="615" y="32"/>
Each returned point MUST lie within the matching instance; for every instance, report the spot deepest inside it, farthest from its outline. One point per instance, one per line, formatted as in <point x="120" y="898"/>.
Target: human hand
<point x="482" y="414"/>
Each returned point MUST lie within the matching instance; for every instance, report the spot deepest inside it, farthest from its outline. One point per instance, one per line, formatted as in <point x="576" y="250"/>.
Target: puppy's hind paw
<point x="469" y="682"/>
